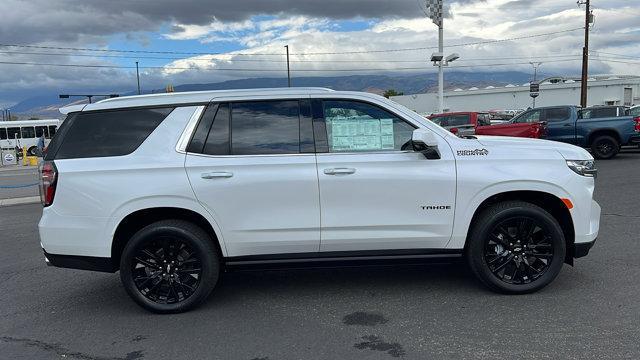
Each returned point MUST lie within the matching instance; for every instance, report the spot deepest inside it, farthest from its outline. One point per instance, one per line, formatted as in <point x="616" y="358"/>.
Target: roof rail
<point x="213" y="92"/>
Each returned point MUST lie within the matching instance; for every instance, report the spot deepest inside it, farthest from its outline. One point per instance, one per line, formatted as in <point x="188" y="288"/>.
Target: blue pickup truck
<point x="571" y="124"/>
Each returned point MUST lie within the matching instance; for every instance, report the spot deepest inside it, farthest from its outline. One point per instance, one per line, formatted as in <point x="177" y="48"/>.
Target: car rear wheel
<point x="605" y="147"/>
<point x="516" y="247"/>
<point x="169" y="266"/>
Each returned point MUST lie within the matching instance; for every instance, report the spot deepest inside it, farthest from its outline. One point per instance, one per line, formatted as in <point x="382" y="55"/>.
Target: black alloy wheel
<point x="169" y="266"/>
<point x="515" y="247"/>
<point x="605" y="147"/>
<point x="166" y="270"/>
<point x="518" y="250"/>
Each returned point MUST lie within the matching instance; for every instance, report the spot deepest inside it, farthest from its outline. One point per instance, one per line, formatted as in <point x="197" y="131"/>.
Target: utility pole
<point x="585" y="52"/>
<point x="288" y="72"/>
<point x="138" y="77"/>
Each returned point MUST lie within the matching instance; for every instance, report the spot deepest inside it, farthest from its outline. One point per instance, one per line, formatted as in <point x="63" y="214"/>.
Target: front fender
<point x="464" y="215"/>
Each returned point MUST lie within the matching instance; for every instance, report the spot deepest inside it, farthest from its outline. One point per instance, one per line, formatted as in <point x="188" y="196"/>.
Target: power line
<point x="272" y="60"/>
<point x="482" y="42"/>
<point x="614" y="54"/>
<point x="265" y="70"/>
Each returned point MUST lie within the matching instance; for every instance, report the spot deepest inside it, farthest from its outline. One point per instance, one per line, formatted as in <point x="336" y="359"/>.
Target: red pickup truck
<point x="478" y="123"/>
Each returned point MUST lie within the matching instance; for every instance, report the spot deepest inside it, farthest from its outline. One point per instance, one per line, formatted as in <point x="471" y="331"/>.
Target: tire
<point x="172" y="287"/>
<point x="32" y="151"/>
<point x="605" y="147"/>
<point x="499" y="265"/>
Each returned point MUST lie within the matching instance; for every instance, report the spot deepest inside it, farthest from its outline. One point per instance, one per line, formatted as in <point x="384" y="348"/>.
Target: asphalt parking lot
<point x="591" y="311"/>
<point x="14" y="181"/>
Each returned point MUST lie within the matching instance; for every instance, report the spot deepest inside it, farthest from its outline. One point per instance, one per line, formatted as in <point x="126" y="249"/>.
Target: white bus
<point x="26" y="133"/>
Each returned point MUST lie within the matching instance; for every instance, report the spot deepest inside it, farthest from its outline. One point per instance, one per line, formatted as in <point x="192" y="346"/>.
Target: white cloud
<point x="616" y="31"/>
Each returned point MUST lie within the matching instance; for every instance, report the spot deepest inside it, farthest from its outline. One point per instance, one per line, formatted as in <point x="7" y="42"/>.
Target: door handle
<point x="339" y="171"/>
<point x="567" y="125"/>
<point x="213" y="175"/>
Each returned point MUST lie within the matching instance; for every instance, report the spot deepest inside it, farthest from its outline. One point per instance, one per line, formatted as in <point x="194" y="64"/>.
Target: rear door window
<point x="595" y="113"/>
<point x="265" y="127"/>
<point x="3" y="133"/>
<point x="105" y="133"/>
<point x="217" y="142"/>
<point x="459" y="120"/>
<point x="557" y="114"/>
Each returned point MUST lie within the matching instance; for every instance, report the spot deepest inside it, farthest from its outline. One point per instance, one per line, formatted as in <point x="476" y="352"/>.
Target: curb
<point x="19" y="201"/>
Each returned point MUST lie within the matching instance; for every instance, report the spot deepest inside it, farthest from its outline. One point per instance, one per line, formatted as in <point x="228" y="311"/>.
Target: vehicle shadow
<point x="242" y="286"/>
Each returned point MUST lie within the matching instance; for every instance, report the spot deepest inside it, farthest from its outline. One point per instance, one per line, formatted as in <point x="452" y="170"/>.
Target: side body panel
<point x="565" y="130"/>
<point x="268" y="204"/>
<point x="623" y="126"/>
<point x="506" y="169"/>
<point x="93" y="195"/>
<point x="392" y="200"/>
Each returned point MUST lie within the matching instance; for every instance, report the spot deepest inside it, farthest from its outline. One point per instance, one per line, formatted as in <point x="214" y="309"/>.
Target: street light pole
<point x="288" y="71"/>
<point x="535" y="77"/>
<point x="440" y="69"/>
<point x="138" y="77"/>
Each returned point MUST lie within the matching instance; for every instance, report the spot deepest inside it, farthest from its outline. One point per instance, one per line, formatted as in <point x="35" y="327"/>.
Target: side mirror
<point x="454" y="131"/>
<point x="425" y="142"/>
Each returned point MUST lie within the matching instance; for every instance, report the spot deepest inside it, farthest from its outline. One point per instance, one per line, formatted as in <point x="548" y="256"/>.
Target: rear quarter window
<point x="105" y="133"/>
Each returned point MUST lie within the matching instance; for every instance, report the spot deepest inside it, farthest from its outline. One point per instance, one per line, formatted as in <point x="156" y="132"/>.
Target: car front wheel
<point x="605" y="147"/>
<point x="169" y="266"/>
<point x="516" y="247"/>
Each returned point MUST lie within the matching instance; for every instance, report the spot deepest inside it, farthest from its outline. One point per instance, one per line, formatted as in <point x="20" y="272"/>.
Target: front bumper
<point x="582" y="249"/>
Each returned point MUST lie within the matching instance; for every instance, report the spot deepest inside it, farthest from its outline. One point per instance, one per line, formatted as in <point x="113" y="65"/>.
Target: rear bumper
<point x="80" y="262"/>
<point x="582" y="249"/>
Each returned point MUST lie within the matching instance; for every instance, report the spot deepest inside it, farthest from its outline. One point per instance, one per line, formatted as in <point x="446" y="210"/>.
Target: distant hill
<point x="47" y="106"/>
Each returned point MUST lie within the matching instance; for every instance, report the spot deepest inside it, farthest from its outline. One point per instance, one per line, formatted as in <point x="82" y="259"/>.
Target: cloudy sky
<point x="198" y="41"/>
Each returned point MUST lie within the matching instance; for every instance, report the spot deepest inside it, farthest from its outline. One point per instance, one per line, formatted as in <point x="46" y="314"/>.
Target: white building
<point x="602" y="90"/>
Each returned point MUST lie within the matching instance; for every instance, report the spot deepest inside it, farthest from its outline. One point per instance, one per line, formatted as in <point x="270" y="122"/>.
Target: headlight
<point x="583" y="167"/>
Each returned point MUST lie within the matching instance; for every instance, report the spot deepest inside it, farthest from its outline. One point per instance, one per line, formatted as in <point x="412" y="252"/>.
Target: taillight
<point x="637" y="120"/>
<point x="48" y="179"/>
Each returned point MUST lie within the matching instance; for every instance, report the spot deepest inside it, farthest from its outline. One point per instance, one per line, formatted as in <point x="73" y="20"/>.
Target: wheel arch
<point x="603" y="132"/>
<point x="547" y="201"/>
<point x="140" y="218"/>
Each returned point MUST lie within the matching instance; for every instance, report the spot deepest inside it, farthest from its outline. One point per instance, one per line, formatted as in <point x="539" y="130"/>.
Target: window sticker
<point x="360" y="134"/>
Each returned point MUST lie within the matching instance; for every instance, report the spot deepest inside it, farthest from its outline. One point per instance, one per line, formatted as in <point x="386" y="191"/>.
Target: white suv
<point x="171" y="189"/>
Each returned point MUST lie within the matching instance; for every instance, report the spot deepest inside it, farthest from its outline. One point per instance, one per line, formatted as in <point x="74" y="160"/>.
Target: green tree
<point x="392" y="92"/>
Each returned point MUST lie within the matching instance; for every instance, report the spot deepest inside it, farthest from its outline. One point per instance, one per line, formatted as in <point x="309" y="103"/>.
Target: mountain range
<point x="47" y="106"/>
